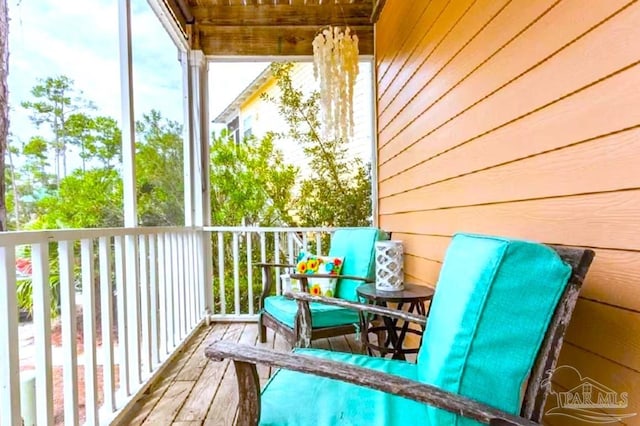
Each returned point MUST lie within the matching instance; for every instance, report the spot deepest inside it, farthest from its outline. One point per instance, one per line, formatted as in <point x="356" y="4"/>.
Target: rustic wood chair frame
<point x="298" y="335"/>
<point x="246" y="357"/>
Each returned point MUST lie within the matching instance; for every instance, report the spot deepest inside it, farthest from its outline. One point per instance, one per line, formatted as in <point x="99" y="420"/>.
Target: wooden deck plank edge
<point x="126" y="411"/>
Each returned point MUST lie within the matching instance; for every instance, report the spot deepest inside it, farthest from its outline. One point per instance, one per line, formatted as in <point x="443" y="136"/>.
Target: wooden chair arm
<point x="363" y="307"/>
<point x="245" y="357"/>
<point x="268" y="280"/>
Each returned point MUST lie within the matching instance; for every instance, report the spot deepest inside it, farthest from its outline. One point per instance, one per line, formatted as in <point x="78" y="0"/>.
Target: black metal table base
<point x="390" y="332"/>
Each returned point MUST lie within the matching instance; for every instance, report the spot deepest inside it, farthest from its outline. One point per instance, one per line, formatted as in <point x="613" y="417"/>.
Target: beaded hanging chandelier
<point x="335" y="63"/>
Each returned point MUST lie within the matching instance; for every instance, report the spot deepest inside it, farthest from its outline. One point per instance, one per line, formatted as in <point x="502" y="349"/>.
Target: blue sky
<point x="79" y="39"/>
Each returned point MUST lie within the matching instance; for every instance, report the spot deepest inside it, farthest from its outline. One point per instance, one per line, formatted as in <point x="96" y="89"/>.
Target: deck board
<point x="224" y="406"/>
<point x="168" y="406"/>
<point x="145" y="405"/>
<point x="196" y="406"/>
<point x="195" y="391"/>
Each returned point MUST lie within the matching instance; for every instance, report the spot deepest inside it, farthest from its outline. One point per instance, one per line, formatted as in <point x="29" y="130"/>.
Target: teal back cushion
<point x="492" y="305"/>
<point x="357" y="247"/>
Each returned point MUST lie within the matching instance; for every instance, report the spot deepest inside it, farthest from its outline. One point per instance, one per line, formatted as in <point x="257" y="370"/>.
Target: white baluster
<point x="250" y="273"/>
<point x="106" y="312"/>
<point x="69" y="338"/>
<point x="9" y="361"/>
<point x="42" y="325"/>
<point x="89" y="333"/>
<point x="223" y="298"/>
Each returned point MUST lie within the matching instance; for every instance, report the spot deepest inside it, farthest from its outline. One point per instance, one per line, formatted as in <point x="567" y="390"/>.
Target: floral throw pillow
<point x="311" y="264"/>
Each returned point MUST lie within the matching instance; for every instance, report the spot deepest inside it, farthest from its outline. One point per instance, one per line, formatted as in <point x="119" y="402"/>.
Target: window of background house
<point x="247" y="126"/>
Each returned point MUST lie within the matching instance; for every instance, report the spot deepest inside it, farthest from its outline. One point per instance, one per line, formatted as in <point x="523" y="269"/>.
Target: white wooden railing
<point x="152" y="287"/>
<point x="235" y="250"/>
<point x="146" y="285"/>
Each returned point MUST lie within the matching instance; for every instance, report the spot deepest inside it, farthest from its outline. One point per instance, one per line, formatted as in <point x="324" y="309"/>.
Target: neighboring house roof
<point x="232" y="109"/>
<point x="260" y="117"/>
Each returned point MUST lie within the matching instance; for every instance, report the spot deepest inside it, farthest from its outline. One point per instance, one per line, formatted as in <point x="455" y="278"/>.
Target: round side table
<point x="390" y="334"/>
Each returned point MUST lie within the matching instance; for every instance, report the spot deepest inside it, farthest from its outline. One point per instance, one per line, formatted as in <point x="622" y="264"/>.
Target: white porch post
<point x="188" y="101"/>
<point x="196" y="138"/>
<point x="197" y="206"/>
<point x="205" y="188"/>
<point x="128" y="120"/>
<point x="197" y="64"/>
<point x="129" y="189"/>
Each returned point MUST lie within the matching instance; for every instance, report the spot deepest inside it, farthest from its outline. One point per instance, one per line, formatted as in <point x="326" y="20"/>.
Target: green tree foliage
<point x="92" y="198"/>
<point x="11" y="181"/>
<point x="252" y="185"/>
<point x="249" y="182"/>
<point x="337" y="191"/>
<point x="159" y="169"/>
<point x="97" y="138"/>
<point x="37" y="161"/>
<point x="86" y="199"/>
<point x="105" y="143"/>
<point x="55" y="99"/>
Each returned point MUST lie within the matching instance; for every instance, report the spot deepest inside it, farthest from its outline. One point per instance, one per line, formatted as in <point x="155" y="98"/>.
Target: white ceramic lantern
<point x="285" y="282"/>
<point x="389" y="266"/>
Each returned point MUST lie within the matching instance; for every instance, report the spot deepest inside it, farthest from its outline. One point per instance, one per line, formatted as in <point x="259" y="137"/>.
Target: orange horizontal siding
<point x="433" y="28"/>
<point x="520" y="118"/>
<point x="613" y="279"/>
<point x="439" y="47"/>
<point x="387" y="46"/>
<point x="607" y="220"/>
<point x="408" y="20"/>
<point x="613" y="159"/>
<point x="508" y="75"/>
<point x="478" y="107"/>
<point x="448" y="157"/>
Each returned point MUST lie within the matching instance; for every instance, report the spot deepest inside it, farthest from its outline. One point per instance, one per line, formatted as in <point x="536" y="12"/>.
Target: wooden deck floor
<point x="195" y="391"/>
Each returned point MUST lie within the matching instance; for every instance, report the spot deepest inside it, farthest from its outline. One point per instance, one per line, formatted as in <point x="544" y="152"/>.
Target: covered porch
<point x="501" y="117"/>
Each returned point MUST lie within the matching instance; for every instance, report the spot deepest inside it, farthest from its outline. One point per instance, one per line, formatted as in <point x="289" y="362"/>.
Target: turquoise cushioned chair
<point x="356" y="247"/>
<point x="495" y="326"/>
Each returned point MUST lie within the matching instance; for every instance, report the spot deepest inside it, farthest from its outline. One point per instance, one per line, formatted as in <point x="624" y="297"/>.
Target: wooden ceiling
<point x="270" y="27"/>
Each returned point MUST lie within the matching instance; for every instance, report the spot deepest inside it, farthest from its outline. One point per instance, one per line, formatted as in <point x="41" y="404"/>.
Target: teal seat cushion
<point x="284" y="310"/>
<point x="298" y="399"/>
<point x="493" y="302"/>
<point x="357" y="247"/>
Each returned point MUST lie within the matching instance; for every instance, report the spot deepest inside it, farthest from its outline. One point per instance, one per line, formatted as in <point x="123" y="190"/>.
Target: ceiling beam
<point x="177" y="14"/>
<point x="284" y="14"/>
<point x="185" y="10"/>
<point x="377" y="10"/>
<point x="270" y="41"/>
